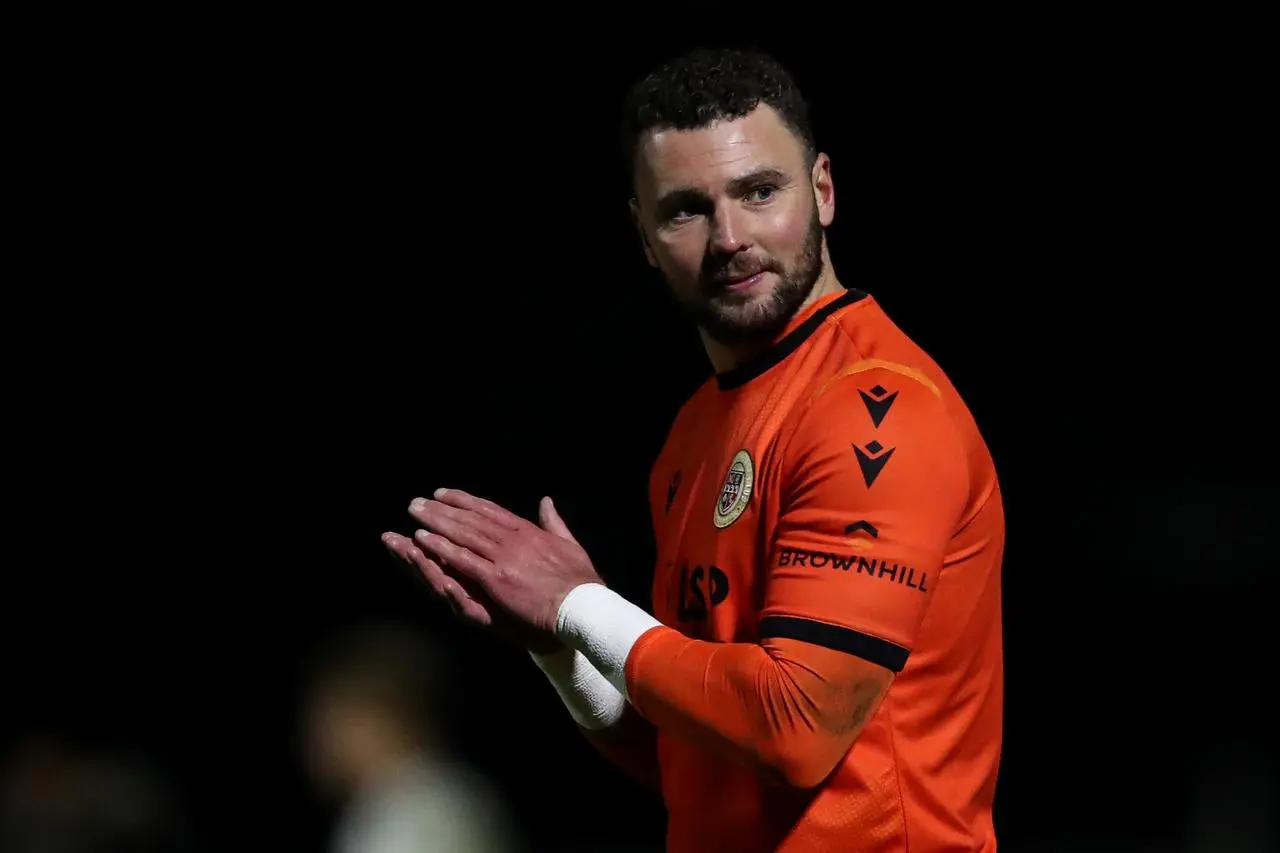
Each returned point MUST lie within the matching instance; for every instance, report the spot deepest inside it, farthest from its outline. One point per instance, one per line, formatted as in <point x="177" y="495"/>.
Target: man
<point x="824" y="671"/>
<point x="372" y="743"/>
<point x="60" y="795"/>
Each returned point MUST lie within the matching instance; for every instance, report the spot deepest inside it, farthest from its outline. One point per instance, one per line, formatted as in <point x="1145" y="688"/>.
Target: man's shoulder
<point x="875" y="346"/>
<point x="868" y="362"/>
<point x="878" y="387"/>
<point x="870" y="379"/>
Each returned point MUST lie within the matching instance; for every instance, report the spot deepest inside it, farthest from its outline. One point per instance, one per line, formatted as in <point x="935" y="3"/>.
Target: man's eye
<point x="763" y="193"/>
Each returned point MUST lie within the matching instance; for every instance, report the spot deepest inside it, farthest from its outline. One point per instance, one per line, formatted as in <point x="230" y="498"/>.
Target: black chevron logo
<point x="872" y="459"/>
<point x="866" y="526"/>
<point x="878" y="402"/>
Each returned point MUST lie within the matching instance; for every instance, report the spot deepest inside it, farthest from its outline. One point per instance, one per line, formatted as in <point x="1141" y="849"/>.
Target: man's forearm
<point x="631" y="744"/>
<point x="603" y="715"/>
<point x="792" y="719"/>
<point x="593" y="702"/>
<point x="603" y="626"/>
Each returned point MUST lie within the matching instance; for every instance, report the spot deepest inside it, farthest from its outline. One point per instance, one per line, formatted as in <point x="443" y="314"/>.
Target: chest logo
<point x="735" y="494"/>
<point x="672" y="488"/>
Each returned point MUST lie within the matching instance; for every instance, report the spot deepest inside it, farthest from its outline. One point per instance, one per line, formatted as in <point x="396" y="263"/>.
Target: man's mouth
<point x="738" y="283"/>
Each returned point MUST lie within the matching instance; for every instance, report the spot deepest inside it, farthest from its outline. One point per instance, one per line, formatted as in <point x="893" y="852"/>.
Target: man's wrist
<point x="592" y="701"/>
<point x="604" y="627"/>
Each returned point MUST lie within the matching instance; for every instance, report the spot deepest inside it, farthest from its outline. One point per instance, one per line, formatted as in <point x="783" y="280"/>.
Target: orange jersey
<point x="837" y="491"/>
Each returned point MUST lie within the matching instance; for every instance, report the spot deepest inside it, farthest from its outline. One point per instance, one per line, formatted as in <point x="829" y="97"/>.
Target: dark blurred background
<point x="299" y="274"/>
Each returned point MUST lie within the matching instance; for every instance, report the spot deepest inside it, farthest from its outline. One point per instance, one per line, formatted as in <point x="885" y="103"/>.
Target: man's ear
<point x="824" y="190"/>
<point x="644" y="238"/>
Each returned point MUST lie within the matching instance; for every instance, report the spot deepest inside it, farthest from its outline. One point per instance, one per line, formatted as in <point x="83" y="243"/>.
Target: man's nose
<point x="728" y="234"/>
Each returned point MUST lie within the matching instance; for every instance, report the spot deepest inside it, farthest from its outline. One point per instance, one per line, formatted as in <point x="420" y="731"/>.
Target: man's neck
<point x="725" y="357"/>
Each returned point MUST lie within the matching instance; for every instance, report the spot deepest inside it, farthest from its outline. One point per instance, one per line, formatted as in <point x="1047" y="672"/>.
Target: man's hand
<point x="515" y="568"/>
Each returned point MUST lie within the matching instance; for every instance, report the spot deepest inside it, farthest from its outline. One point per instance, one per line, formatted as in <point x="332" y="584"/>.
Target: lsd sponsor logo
<point x="701" y="588"/>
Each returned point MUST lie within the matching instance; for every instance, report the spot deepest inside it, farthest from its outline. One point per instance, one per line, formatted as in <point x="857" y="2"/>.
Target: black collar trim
<point x="744" y="373"/>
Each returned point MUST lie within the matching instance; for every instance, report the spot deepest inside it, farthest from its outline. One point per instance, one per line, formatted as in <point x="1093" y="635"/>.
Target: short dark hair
<point x="708" y="85"/>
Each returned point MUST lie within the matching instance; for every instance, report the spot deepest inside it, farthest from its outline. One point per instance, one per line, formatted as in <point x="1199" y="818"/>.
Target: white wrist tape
<point x="604" y="626"/>
<point x="592" y="701"/>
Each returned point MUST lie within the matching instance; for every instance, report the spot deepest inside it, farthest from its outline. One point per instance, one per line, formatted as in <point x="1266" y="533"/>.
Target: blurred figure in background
<point x="58" y="797"/>
<point x="374" y="742"/>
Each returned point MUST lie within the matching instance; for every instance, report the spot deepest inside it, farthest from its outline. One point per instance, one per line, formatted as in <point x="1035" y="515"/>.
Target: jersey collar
<point x="799" y="331"/>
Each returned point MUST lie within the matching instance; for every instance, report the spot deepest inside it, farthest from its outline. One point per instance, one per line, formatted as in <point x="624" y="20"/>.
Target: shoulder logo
<point x="878" y="402"/>
<point x="735" y="494"/>
<point x="872" y="459"/>
<point x="862" y="527"/>
<point x="865" y="527"/>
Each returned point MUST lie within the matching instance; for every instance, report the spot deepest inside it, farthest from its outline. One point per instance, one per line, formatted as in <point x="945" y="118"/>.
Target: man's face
<point x="340" y="734"/>
<point x="733" y="217"/>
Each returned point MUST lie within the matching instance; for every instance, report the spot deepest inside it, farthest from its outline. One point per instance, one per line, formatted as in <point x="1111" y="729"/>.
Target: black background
<point x="301" y="274"/>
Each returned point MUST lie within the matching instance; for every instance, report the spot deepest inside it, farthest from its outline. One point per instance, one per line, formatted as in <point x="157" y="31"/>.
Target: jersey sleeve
<point x="873" y="485"/>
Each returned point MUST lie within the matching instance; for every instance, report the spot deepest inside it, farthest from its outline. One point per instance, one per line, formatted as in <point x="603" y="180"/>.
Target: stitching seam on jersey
<point x="863" y="365"/>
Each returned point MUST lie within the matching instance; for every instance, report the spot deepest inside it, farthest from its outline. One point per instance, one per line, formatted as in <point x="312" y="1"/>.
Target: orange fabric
<point x="789" y="708"/>
<point x="835" y="499"/>
<point x="631" y="744"/>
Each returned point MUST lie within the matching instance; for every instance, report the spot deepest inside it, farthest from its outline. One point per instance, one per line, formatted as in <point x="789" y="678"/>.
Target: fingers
<point x="409" y="553"/>
<point x="462" y="527"/>
<point x="460" y="558"/>
<point x="552" y="522"/>
<point x="470" y="609"/>
<point x="450" y="589"/>
<point x="480" y="506"/>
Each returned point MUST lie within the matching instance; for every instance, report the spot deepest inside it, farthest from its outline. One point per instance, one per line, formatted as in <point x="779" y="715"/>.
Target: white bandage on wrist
<point x="592" y="701"/>
<point x="604" y="626"/>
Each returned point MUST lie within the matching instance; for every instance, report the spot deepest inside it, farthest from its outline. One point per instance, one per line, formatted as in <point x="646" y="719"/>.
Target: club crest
<point x="735" y="494"/>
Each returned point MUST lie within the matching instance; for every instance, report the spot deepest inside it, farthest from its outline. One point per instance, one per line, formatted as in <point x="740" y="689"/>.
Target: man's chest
<point x="713" y="527"/>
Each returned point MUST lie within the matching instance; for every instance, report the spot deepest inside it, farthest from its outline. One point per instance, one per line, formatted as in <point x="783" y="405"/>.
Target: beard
<point x="753" y="318"/>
